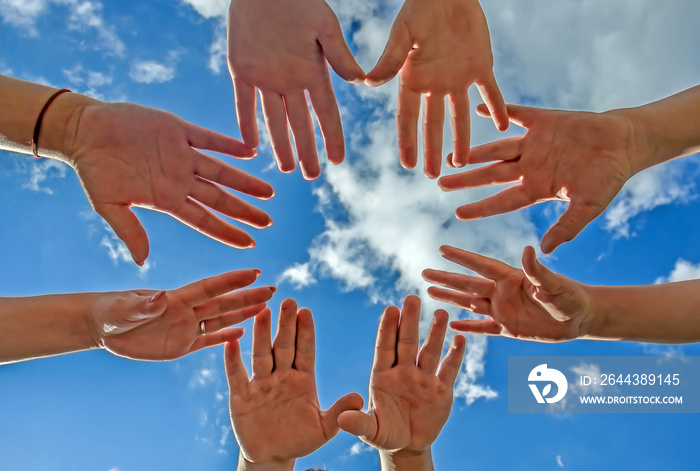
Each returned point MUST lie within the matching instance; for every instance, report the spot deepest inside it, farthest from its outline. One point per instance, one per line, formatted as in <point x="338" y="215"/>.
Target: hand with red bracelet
<point x="128" y="155"/>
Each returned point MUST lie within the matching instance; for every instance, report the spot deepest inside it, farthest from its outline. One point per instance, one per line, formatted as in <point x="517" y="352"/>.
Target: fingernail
<point x="273" y="289"/>
<point x="257" y="271"/>
<point x="251" y="245"/>
<point x="269" y="223"/>
<point x="156" y="297"/>
<point x="139" y="263"/>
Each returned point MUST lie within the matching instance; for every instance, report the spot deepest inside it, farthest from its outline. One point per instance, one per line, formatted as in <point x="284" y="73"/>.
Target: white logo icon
<point x="543" y="374"/>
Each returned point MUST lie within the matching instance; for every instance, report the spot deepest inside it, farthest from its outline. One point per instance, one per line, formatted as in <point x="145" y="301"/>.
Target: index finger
<point x="484" y="266"/>
<point x="215" y="170"/>
<point x="203" y="138"/>
<point x="491" y="94"/>
<point x="209" y="288"/>
<point x="236" y="374"/>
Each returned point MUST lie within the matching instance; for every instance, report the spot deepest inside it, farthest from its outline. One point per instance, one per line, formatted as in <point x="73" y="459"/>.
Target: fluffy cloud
<point x="593" y="55"/>
<point x="359" y="448"/>
<point x="683" y="270"/>
<point x="83" y="15"/>
<point x="118" y="252"/>
<point x="209" y="8"/>
<point x="151" y="71"/>
<point x="647" y="190"/>
<point x="92" y="81"/>
<point x="42" y="170"/>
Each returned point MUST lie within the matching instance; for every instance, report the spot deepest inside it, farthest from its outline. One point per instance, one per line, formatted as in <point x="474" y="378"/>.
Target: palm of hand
<point x="553" y="316"/>
<point x="132" y="155"/>
<point x="168" y="336"/>
<point x="410" y="406"/>
<point x="279" y="42"/>
<point x="444" y="59"/>
<point x="578" y="157"/>
<point x="278" y="418"/>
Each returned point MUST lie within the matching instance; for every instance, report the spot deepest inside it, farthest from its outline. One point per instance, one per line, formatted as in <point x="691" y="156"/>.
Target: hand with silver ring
<point x="149" y="325"/>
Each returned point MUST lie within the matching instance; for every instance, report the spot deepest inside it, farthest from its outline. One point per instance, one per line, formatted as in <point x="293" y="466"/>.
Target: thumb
<point x="569" y="225"/>
<point x="338" y="53"/>
<point x="149" y="307"/>
<point x="395" y="53"/>
<point x="360" y="424"/>
<point x="128" y="228"/>
<point x="350" y="402"/>
<point x="548" y="284"/>
<point x="520" y="115"/>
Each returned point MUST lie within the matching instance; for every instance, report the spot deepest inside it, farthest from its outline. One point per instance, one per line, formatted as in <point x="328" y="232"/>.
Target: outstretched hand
<point x="276" y="415"/>
<point x="578" y="157"/>
<point x="282" y="48"/>
<point x="529" y="304"/>
<point x="438" y="48"/>
<point x="165" y="325"/>
<point x="409" y="402"/>
<point x="130" y="155"/>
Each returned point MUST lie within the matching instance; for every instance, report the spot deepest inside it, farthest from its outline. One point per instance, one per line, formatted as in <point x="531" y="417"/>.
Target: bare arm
<point x="138" y="324"/>
<point x="539" y="305"/>
<point x="578" y="157"/>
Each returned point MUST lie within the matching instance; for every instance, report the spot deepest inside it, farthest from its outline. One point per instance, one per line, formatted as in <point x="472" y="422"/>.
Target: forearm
<point x="663" y="313"/>
<point x="407" y="461"/>
<point x="665" y="129"/>
<point x="41" y="326"/>
<point x="245" y="465"/>
<point x="22" y="101"/>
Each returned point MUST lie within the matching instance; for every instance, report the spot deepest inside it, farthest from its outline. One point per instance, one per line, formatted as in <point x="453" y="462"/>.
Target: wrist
<point x="601" y="316"/>
<point x="246" y="465"/>
<point x="59" y="128"/>
<point x="405" y="460"/>
<point x="639" y="150"/>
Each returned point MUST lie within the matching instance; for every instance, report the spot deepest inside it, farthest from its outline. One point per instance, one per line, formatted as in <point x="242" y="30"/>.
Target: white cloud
<point x="94" y="82"/>
<point x="358" y="448"/>
<point x="88" y="15"/>
<point x="585" y="369"/>
<point x="683" y="270"/>
<point x="118" y="252"/>
<point x="41" y="171"/>
<point x="209" y="8"/>
<point x="82" y="15"/>
<point x="22" y="13"/>
<point x="593" y="55"/>
<point x="298" y="275"/>
<point x="560" y="462"/>
<point x="151" y="71"/>
<point x="217" y="50"/>
<point x="655" y="187"/>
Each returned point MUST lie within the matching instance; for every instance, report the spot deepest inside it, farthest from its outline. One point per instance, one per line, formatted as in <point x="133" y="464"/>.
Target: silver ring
<point x="202" y="328"/>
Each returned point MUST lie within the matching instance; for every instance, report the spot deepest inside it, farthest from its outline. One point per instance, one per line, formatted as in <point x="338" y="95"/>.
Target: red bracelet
<point x="37" y="128"/>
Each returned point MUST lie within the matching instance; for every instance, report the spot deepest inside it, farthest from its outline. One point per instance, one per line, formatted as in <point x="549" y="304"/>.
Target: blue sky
<point x="345" y="245"/>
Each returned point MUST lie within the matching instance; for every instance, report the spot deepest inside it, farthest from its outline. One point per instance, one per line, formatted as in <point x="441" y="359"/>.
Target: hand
<point x="280" y="48"/>
<point x="408" y="403"/>
<point x="578" y="157"/>
<point x="276" y="415"/>
<point x="129" y="155"/>
<point x="438" y="48"/>
<point x="530" y="304"/>
<point x="165" y="325"/>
